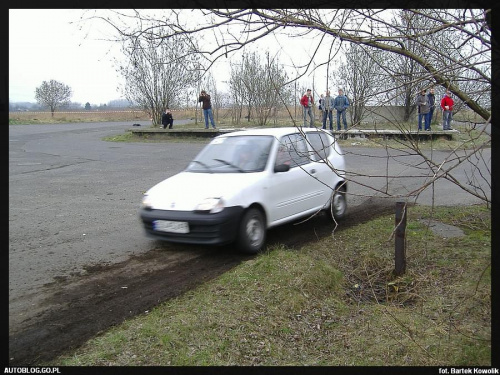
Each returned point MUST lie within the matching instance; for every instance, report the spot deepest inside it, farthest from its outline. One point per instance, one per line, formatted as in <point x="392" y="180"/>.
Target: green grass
<point x="130" y="137"/>
<point x="332" y="302"/>
<point x="125" y="137"/>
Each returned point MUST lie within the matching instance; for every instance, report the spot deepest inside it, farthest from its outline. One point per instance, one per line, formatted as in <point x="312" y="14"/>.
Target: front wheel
<point x="252" y="232"/>
<point x="338" y="204"/>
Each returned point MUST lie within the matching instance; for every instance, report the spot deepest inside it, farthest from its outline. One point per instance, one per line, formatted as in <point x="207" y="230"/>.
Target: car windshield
<point x="237" y="154"/>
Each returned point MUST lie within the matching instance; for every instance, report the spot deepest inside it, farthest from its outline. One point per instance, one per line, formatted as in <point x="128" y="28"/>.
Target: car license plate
<point x="171" y="226"/>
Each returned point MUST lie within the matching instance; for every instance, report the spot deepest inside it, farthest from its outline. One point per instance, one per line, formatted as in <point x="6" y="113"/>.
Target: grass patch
<point x="125" y="137"/>
<point x="333" y="302"/>
<point x="130" y="137"/>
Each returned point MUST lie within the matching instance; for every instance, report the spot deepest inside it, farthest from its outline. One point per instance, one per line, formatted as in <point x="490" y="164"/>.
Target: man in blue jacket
<point x="341" y="103"/>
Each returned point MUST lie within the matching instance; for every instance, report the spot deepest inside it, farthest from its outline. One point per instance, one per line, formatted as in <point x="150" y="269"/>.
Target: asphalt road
<point x="74" y="199"/>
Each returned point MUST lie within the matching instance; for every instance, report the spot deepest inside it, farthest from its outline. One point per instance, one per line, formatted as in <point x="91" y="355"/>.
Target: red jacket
<point x="305" y="101"/>
<point x="447" y="101"/>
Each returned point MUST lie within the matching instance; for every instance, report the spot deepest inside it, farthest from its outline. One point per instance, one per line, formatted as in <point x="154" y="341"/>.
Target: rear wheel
<point x="338" y="204"/>
<point x="252" y="232"/>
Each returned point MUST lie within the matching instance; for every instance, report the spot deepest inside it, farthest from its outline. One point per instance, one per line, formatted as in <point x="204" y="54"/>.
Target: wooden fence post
<point x="400" y="242"/>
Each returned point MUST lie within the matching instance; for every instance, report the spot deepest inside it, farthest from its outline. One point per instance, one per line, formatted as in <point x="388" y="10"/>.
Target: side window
<point x="320" y="145"/>
<point x="292" y="151"/>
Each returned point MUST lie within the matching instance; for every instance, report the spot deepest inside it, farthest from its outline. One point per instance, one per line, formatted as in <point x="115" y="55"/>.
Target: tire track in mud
<point x="107" y="296"/>
<point x="79" y="308"/>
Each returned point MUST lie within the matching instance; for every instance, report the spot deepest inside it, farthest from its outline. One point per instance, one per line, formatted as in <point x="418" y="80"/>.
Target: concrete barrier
<point x="341" y="134"/>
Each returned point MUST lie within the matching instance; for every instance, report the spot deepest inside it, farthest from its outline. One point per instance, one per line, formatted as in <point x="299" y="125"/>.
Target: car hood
<point x="184" y="191"/>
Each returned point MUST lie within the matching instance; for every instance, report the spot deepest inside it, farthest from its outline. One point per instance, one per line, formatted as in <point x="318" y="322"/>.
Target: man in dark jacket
<point x="432" y="104"/>
<point x="167" y="119"/>
<point x="328" y="104"/>
<point x="423" y="110"/>
<point x="207" y="108"/>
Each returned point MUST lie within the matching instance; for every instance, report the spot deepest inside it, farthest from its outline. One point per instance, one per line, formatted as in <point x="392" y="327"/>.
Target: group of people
<point x="326" y="105"/>
<point x="426" y="103"/>
<point x="167" y="119"/>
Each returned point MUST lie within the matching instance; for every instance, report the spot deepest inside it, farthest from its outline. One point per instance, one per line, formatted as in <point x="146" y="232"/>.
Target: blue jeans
<point x="208" y="114"/>
<point x="447" y="115"/>
<point x="343" y="119"/>
<point x="431" y="113"/>
<point x="427" y="122"/>
<point x="308" y="111"/>
<point x="329" y="115"/>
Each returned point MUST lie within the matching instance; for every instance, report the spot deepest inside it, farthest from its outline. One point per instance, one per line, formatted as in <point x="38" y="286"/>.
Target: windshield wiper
<point x="202" y="164"/>
<point x="230" y="164"/>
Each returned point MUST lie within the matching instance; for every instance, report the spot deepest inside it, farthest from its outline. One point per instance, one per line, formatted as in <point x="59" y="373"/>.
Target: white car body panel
<point x="284" y="196"/>
<point x="199" y="186"/>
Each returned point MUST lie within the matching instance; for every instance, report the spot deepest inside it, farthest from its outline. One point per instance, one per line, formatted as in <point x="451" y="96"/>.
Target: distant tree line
<point x="71" y="106"/>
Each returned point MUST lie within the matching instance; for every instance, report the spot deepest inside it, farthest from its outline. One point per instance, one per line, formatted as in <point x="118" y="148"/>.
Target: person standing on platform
<point x="422" y="103"/>
<point x="341" y="103"/>
<point x="207" y="108"/>
<point x="307" y="103"/>
<point x="328" y="103"/>
<point x="447" y="107"/>
<point x="432" y="104"/>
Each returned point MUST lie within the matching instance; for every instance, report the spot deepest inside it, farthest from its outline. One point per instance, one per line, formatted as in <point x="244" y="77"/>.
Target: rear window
<point x="320" y="143"/>
<point x="292" y="150"/>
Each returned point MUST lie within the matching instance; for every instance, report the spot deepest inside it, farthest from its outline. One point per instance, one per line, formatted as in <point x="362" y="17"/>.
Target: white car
<point x="245" y="182"/>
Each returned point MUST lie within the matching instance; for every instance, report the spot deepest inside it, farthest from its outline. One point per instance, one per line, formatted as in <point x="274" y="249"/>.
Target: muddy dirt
<point x="80" y="307"/>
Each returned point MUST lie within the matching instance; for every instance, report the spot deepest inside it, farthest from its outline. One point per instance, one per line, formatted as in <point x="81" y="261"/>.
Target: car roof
<point x="277" y="132"/>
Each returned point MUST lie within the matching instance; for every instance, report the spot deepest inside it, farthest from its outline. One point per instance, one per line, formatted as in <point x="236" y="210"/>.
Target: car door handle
<point x="313" y="171"/>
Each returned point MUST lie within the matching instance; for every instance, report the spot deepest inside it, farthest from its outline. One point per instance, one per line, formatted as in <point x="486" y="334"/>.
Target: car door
<point x="296" y="191"/>
<point x="320" y="145"/>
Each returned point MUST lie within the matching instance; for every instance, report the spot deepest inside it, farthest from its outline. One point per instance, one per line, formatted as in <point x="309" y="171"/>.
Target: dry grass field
<point x="75" y="116"/>
<point x="223" y="117"/>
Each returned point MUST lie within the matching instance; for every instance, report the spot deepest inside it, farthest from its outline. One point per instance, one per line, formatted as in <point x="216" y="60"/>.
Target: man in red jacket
<point x="447" y="106"/>
<point x="307" y="103"/>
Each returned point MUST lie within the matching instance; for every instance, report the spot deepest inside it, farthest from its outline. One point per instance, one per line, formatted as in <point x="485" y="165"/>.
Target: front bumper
<point x="204" y="228"/>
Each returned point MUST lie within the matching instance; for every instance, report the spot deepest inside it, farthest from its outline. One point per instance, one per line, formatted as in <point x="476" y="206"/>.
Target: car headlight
<point x="146" y="202"/>
<point x="212" y="205"/>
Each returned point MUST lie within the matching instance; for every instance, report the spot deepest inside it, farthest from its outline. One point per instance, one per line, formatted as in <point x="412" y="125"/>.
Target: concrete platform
<point x="341" y="134"/>
<point x="388" y="134"/>
<point x="181" y="132"/>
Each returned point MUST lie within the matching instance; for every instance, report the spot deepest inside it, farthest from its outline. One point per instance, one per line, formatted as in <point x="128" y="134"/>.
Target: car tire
<point x="338" y="204"/>
<point x="252" y="231"/>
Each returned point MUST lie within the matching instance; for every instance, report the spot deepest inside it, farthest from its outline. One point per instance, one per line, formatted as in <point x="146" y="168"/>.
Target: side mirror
<point x="282" y="168"/>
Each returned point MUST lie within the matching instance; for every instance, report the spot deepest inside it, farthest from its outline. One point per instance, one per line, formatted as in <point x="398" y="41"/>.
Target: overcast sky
<point x="43" y="45"/>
